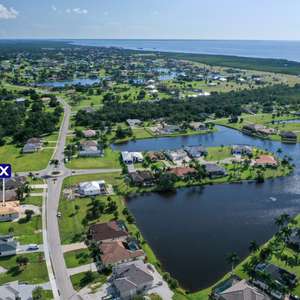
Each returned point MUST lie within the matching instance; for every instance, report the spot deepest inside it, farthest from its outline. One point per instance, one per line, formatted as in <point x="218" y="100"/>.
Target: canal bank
<point x="193" y="230"/>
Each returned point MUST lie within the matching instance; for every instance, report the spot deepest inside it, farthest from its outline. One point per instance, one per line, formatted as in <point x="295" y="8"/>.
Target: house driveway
<point x="160" y="287"/>
<point x="81" y="269"/>
<point x="73" y="247"/>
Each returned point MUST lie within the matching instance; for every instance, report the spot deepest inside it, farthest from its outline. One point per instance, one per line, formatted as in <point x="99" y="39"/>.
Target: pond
<point x="193" y="230"/>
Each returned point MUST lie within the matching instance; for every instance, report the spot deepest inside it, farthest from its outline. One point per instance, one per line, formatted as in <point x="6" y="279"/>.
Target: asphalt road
<point x="61" y="274"/>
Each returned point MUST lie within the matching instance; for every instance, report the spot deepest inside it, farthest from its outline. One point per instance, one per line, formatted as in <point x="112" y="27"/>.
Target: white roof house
<point x="92" y="188"/>
<point x="132" y="157"/>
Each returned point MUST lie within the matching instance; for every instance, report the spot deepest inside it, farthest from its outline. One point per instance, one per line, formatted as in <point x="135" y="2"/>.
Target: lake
<point x="289" y="50"/>
<point x="193" y="230"/>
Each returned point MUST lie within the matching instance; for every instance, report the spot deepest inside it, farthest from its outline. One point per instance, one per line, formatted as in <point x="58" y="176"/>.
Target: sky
<point x="151" y="19"/>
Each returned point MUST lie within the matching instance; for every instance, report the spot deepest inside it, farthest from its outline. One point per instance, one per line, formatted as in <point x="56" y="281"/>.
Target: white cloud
<point x="77" y="10"/>
<point x="7" y="13"/>
<point x="54" y="8"/>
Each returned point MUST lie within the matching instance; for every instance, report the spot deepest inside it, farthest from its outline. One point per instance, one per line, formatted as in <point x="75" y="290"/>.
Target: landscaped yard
<point x="218" y="153"/>
<point x="111" y="160"/>
<point x="77" y="258"/>
<point x="26" y="233"/>
<point x="35" y="272"/>
<point x="25" y="162"/>
<point x="79" y="281"/>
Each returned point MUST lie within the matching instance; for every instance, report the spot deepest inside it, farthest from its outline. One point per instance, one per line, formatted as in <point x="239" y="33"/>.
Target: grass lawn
<point x="26" y="233"/>
<point x="25" y="162"/>
<point x="35" y="272"/>
<point x="79" y="282"/>
<point x="109" y="161"/>
<point x="77" y="258"/>
<point x="218" y="153"/>
<point x="34" y="200"/>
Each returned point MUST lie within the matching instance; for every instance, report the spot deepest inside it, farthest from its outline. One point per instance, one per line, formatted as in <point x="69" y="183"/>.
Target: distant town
<point x="89" y="131"/>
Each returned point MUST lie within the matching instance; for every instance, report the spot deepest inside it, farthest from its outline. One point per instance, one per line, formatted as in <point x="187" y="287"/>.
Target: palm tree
<point x="253" y="247"/>
<point x="232" y="259"/>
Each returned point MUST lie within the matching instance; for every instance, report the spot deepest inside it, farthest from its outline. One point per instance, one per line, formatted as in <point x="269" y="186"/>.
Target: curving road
<point x="58" y="274"/>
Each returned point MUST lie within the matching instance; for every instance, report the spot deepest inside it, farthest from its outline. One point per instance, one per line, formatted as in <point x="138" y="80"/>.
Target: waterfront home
<point x="241" y="150"/>
<point x="266" y="161"/>
<point x="117" y="252"/>
<point x="134" y="122"/>
<point x="198" y="126"/>
<point x="142" y="177"/>
<point x="214" y="170"/>
<point x="282" y="277"/>
<point x="242" y="290"/>
<point x="32" y="145"/>
<point x="176" y="155"/>
<point x="90" y="149"/>
<point x="182" y="172"/>
<point x="8" y="246"/>
<point x="89" y="133"/>
<point x="92" y="188"/>
<point x="195" y="151"/>
<point x="131" y="279"/>
<point x="258" y="129"/>
<point x="155" y="156"/>
<point x="110" y="231"/>
<point x="288" y="137"/>
<point x="129" y="158"/>
<point x="294" y="240"/>
<point x="10" y="211"/>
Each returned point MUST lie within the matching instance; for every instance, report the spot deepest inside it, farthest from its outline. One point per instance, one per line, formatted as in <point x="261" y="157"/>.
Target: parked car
<point x="33" y="247"/>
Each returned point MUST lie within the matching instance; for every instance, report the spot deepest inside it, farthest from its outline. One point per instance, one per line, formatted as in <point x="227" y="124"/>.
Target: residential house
<point x="195" y="151"/>
<point x="243" y="290"/>
<point x="10" y="195"/>
<point x="142" y="177"/>
<point x="182" y="172"/>
<point x="110" y="231"/>
<point x="14" y="183"/>
<point x="32" y="145"/>
<point x="129" y="158"/>
<point x="176" y="155"/>
<point x="281" y="277"/>
<point x="8" y="246"/>
<point x="288" y="137"/>
<point x="155" y="156"/>
<point x="90" y="149"/>
<point x="131" y="279"/>
<point x="89" y="133"/>
<point x="266" y="161"/>
<point x="257" y="129"/>
<point x="88" y="110"/>
<point x="294" y="239"/>
<point x="214" y="170"/>
<point x="92" y="188"/>
<point x="116" y="252"/>
<point x="241" y="150"/>
<point x="134" y="122"/>
<point x="10" y="211"/>
<point x="198" y="126"/>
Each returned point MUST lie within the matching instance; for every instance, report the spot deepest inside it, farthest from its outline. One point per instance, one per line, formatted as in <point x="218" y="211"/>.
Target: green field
<point x="26" y="233"/>
<point x="35" y="272"/>
<point x="77" y="258"/>
<point x="109" y="161"/>
<point x="79" y="282"/>
<point x="25" y="162"/>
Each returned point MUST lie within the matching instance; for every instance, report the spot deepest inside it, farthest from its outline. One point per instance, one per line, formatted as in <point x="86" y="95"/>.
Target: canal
<point x="193" y="230"/>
